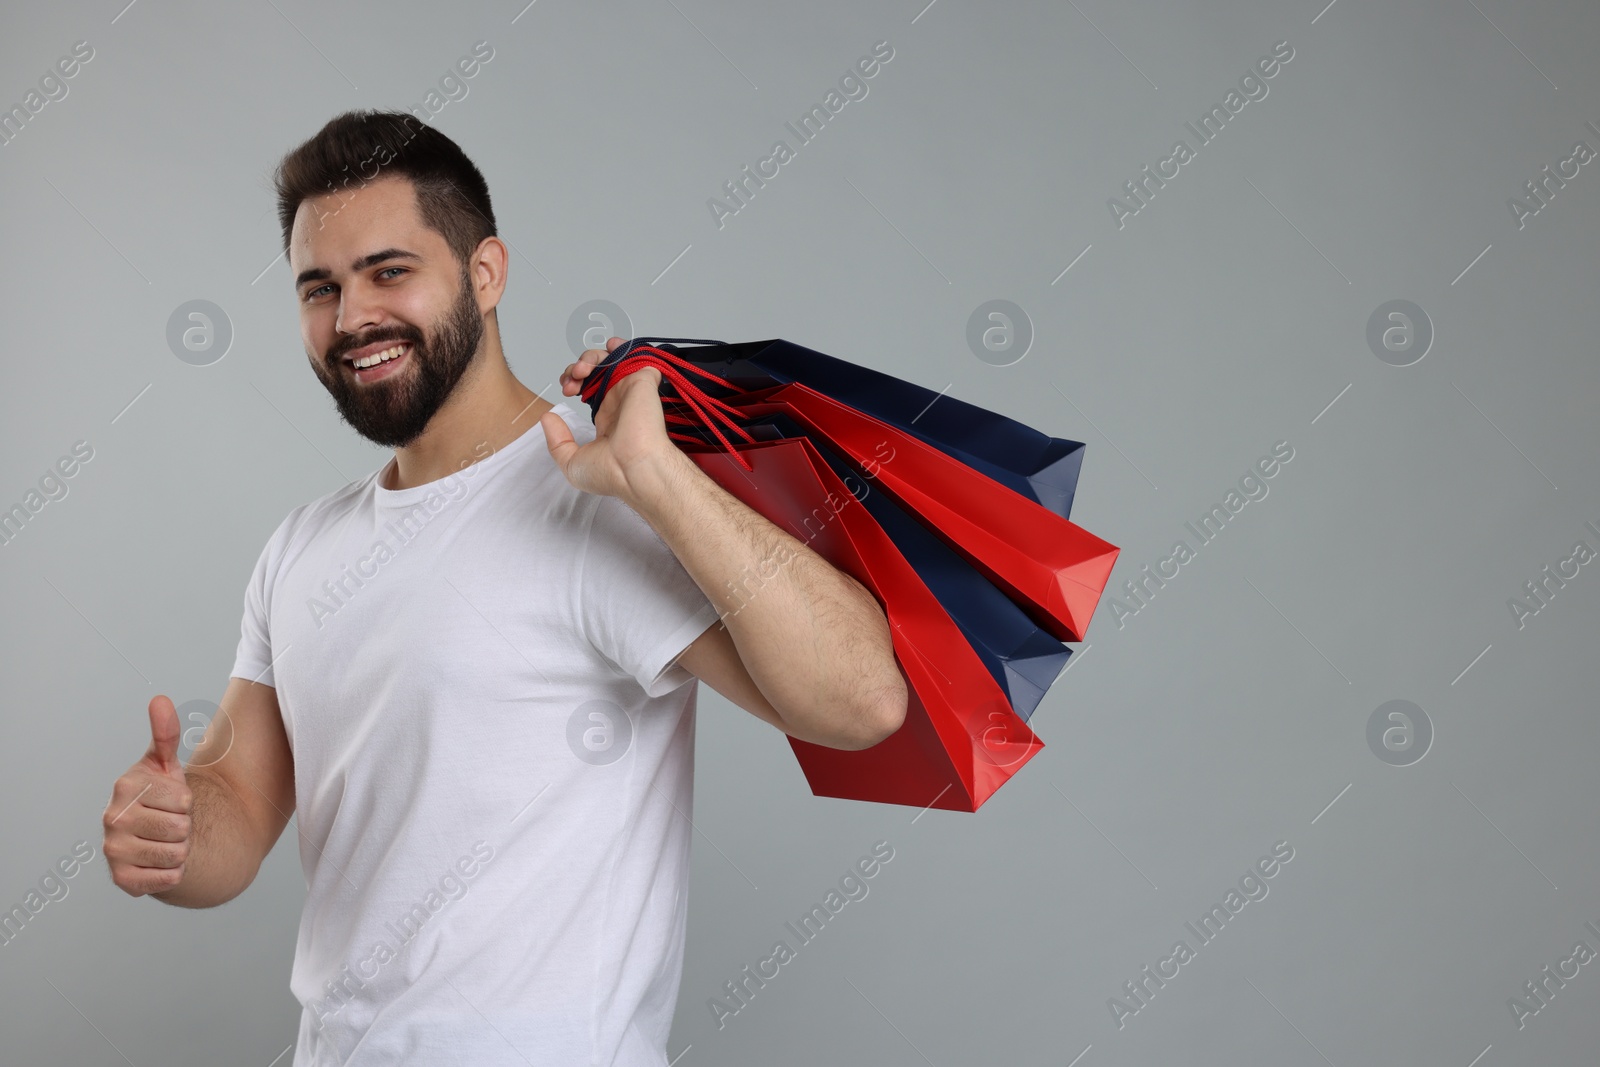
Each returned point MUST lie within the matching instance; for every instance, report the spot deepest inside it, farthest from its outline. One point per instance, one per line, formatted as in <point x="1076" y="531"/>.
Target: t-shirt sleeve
<point x="639" y="607"/>
<point x="253" y="660"/>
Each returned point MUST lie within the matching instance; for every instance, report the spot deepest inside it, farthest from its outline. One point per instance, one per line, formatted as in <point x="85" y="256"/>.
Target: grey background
<point x="1229" y="314"/>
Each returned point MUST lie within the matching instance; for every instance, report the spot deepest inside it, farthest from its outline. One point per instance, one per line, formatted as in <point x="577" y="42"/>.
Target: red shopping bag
<point x="1050" y="567"/>
<point x="960" y="740"/>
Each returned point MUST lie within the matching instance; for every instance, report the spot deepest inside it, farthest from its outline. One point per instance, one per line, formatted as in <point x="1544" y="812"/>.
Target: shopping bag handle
<point x="684" y="396"/>
<point x="633" y="342"/>
<point x="601" y="379"/>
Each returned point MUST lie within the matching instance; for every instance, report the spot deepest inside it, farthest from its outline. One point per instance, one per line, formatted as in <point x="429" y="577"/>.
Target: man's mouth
<point x="379" y="364"/>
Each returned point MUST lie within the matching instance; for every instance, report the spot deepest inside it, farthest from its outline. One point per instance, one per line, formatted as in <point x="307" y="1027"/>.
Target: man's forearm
<point x="222" y="858"/>
<point x="813" y="639"/>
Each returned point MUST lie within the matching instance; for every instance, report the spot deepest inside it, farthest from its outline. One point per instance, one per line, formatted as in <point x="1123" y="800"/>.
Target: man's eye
<point x="312" y="293"/>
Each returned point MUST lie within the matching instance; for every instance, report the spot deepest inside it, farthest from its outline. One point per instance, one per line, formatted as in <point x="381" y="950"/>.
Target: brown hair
<point x="360" y="146"/>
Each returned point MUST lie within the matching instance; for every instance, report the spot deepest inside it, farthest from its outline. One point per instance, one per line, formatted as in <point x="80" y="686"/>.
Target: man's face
<point x="369" y="276"/>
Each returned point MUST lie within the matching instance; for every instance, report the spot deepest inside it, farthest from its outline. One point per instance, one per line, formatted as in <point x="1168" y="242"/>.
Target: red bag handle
<point x="709" y="410"/>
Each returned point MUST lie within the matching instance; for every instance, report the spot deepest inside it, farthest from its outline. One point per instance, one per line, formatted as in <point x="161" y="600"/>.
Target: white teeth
<point x="379" y="357"/>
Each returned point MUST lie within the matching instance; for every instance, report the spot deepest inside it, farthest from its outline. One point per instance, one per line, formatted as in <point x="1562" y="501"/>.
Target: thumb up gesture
<point x="147" y="821"/>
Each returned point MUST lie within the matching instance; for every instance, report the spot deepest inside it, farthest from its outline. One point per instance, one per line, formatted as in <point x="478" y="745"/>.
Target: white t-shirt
<point x="493" y="765"/>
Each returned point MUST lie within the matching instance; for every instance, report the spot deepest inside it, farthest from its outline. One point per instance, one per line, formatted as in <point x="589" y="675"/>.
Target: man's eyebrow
<point x="317" y="274"/>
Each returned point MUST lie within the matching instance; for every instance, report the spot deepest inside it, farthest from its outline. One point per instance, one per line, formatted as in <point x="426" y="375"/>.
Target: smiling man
<point x="472" y="673"/>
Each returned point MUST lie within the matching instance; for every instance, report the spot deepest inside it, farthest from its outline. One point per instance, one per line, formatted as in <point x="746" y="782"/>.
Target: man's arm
<point x="196" y="836"/>
<point x="811" y="652"/>
<point x="810" y="646"/>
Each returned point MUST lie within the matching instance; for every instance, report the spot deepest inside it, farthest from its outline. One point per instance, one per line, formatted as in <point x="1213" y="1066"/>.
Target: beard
<point x="394" y="411"/>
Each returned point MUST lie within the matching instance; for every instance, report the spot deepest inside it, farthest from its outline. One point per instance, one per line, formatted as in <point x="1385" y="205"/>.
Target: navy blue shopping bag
<point x="1041" y="468"/>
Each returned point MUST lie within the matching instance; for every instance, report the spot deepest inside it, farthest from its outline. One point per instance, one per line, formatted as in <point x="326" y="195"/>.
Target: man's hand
<point x="147" y="821"/>
<point x="631" y="453"/>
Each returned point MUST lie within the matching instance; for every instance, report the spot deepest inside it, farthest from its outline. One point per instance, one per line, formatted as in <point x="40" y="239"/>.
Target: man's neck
<point x="488" y="409"/>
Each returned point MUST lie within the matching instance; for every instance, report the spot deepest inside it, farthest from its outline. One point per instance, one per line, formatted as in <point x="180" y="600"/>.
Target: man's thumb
<point x="558" y="438"/>
<point x="164" y="733"/>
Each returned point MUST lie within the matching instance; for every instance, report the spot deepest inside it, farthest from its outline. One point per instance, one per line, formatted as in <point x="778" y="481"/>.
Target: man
<point x="472" y="672"/>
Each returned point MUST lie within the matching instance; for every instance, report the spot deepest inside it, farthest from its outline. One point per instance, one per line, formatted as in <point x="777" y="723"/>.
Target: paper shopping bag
<point x="961" y="740"/>
<point x="1050" y="567"/>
